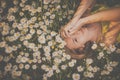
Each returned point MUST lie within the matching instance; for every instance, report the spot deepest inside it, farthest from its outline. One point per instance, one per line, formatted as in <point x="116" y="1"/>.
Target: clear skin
<point x="90" y="33"/>
<point x="85" y="5"/>
<point x="76" y="36"/>
<point x="111" y="34"/>
<point x="107" y="15"/>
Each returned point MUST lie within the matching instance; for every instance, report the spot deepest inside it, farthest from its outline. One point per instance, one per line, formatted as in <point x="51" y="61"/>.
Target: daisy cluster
<point x="31" y="47"/>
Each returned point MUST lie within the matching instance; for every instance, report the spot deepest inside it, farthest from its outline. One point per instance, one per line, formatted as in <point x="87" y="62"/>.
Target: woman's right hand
<point x="71" y="28"/>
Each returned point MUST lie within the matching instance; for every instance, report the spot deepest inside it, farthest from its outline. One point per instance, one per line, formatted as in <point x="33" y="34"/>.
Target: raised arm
<point x="107" y="15"/>
<point x="84" y="5"/>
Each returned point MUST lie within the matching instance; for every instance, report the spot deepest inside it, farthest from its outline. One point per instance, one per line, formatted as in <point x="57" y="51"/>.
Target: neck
<point x="97" y="35"/>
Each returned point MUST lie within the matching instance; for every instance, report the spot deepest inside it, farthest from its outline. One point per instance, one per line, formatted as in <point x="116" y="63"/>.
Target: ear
<point x="81" y="48"/>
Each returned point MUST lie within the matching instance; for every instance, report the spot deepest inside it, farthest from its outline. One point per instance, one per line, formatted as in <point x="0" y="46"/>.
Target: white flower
<point x="11" y="18"/>
<point x="25" y="43"/>
<point x="61" y="45"/>
<point x="26" y="54"/>
<point x="31" y="45"/>
<point x="90" y="75"/>
<point x="5" y="32"/>
<point x="104" y="72"/>
<point x="21" y="13"/>
<point x="2" y="44"/>
<point x="68" y="57"/>
<point x="53" y="33"/>
<point x="80" y="68"/>
<point x="63" y="67"/>
<point x="101" y="54"/>
<point x="49" y="37"/>
<point x="102" y="44"/>
<point x="21" y="66"/>
<point x="95" y="69"/>
<point x="47" y="13"/>
<point x="71" y="64"/>
<point x="118" y="51"/>
<point x="28" y="36"/>
<point x="50" y="73"/>
<point x="41" y="39"/>
<point x="52" y="16"/>
<point x="57" y="61"/>
<point x="35" y="49"/>
<point x="47" y="49"/>
<point x="56" y="1"/>
<point x="58" y="39"/>
<point x="24" y="59"/>
<point x="43" y="67"/>
<point x="50" y="43"/>
<point x="39" y="9"/>
<point x="89" y="61"/>
<point x="1" y="58"/>
<point x="63" y="59"/>
<point x="34" y="67"/>
<point x="76" y="76"/>
<point x="112" y="48"/>
<point x="18" y="73"/>
<point x="57" y="71"/>
<point x="114" y="63"/>
<point x="23" y="20"/>
<point x="27" y="66"/>
<point x="7" y="68"/>
<point x="33" y="19"/>
<point x="54" y="67"/>
<point x="15" y="2"/>
<point x="74" y="61"/>
<point x="8" y="49"/>
<point x="32" y="31"/>
<point x="94" y="46"/>
<point x="46" y="1"/>
<point x="35" y="60"/>
<point x="15" y="67"/>
<point x="3" y="4"/>
<point x="90" y="68"/>
<point x="109" y="68"/>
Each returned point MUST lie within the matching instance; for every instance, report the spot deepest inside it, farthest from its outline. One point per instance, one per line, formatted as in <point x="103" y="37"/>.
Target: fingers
<point x="64" y="33"/>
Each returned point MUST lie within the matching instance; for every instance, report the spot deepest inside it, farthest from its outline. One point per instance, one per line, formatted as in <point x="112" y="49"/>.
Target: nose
<point x="70" y="44"/>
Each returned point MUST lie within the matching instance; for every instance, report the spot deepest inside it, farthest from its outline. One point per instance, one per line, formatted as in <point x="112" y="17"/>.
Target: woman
<point x="69" y="31"/>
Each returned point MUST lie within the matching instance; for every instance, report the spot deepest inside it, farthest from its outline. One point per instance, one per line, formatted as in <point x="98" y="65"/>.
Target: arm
<point x="108" y="15"/>
<point x="111" y="35"/>
<point x="84" y="5"/>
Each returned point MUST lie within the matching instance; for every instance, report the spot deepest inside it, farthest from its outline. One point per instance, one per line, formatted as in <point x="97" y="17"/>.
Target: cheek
<point x="69" y="44"/>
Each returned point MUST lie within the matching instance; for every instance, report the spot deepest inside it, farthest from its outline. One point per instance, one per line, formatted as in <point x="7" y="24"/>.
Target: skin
<point x="84" y="7"/>
<point x="111" y="35"/>
<point x="107" y="15"/>
<point x="90" y="33"/>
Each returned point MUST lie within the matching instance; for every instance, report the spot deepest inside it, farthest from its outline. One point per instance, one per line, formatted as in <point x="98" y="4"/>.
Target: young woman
<point x="76" y="36"/>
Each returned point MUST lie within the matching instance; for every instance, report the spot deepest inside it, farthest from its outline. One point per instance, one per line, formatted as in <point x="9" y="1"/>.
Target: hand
<point x="71" y="28"/>
<point x="76" y="27"/>
<point x="65" y="31"/>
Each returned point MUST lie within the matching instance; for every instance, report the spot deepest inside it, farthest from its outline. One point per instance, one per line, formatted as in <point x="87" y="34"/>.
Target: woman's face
<point x="77" y="40"/>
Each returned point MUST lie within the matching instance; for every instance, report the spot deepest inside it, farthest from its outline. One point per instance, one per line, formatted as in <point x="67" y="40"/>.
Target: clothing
<point x="109" y="3"/>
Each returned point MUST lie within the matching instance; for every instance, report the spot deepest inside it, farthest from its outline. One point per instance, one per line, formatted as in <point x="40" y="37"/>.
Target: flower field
<point x="31" y="47"/>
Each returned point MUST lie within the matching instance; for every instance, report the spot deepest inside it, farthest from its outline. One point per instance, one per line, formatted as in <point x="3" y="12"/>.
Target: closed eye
<point x="75" y="41"/>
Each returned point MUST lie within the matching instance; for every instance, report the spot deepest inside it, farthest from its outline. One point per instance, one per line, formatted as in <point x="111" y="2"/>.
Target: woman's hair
<point x="80" y="54"/>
